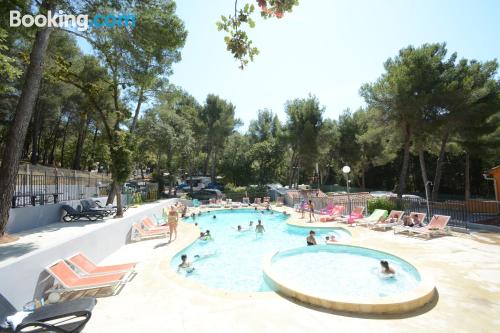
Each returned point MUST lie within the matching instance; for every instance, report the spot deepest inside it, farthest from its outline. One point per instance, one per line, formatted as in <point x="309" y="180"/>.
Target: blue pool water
<point x="343" y="271"/>
<point x="234" y="260"/>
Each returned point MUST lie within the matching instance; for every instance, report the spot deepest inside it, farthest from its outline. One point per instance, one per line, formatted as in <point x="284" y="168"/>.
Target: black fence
<point x="462" y="213"/>
<point x="33" y="190"/>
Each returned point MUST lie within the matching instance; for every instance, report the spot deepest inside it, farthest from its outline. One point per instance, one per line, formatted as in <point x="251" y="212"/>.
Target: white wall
<point x="19" y="280"/>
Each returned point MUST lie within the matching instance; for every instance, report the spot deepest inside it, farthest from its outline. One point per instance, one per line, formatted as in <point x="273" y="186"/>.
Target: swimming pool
<point x="348" y="278"/>
<point x="341" y="271"/>
<point x="234" y="259"/>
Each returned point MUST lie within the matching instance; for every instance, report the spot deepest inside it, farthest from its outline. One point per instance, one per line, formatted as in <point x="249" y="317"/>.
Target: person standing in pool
<point x="185" y="264"/>
<point x="250" y="225"/>
<point x="310" y="239"/>
<point x="386" y="269"/>
<point x="259" y="228"/>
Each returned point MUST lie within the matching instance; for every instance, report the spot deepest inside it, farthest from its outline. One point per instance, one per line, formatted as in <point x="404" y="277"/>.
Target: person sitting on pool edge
<point x="259" y="228"/>
<point x="310" y="239"/>
<point x="386" y="269"/>
<point x="185" y="264"/>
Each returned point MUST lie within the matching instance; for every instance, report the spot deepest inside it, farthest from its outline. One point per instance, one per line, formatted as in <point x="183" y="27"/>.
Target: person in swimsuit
<point x="259" y="228"/>
<point x="250" y="225"/>
<point x="172" y="222"/>
<point x="310" y="239"/>
<point x="386" y="269"/>
<point x="185" y="265"/>
<point x="311" y="211"/>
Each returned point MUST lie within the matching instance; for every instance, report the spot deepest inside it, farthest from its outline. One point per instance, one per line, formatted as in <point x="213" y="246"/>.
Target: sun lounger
<point x="335" y="214"/>
<point x="395" y="218"/>
<point x="437" y="226"/>
<point x="356" y="214"/>
<point x="375" y="217"/>
<point x="402" y="228"/>
<point x="101" y="205"/>
<point x="68" y="281"/>
<point x="74" y="215"/>
<point x="150" y="224"/>
<point x="141" y="232"/>
<point x="91" y="206"/>
<point x="69" y="316"/>
<point x="245" y="201"/>
<point x="327" y="210"/>
<point x="196" y="203"/>
<point x="86" y="266"/>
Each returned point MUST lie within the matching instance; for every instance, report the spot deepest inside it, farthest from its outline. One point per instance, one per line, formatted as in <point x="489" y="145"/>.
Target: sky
<point x="327" y="48"/>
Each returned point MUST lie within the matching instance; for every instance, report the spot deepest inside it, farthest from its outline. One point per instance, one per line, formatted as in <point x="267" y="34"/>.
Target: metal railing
<point x="462" y="213"/>
<point x="33" y="190"/>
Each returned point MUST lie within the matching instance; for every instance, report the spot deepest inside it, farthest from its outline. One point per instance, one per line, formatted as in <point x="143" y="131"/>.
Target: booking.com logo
<point x="81" y="22"/>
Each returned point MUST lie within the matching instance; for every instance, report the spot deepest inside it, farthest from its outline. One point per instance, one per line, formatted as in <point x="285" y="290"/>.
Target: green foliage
<point x="121" y="166"/>
<point x="380" y="203"/>
<point x="237" y="40"/>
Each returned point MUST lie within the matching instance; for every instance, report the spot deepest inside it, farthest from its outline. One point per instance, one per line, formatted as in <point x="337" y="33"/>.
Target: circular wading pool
<point x="347" y="278"/>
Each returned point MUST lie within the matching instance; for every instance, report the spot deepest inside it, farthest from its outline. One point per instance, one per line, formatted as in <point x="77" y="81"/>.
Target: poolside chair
<point x="91" y="206"/>
<point x="402" y="228"/>
<point x="327" y="210"/>
<point x="87" y="267"/>
<point x="336" y="212"/>
<point x="67" y="281"/>
<point x="245" y="201"/>
<point x="150" y="224"/>
<point x="228" y="203"/>
<point x="64" y="317"/>
<point x="101" y="205"/>
<point x="140" y="232"/>
<point x="395" y="218"/>
<point x="196" y="203"/>
<point x="437" y="226"/>
<point x="356" y="214"/>
<point x="74" y="215"/>
<point x="374" y="218"/>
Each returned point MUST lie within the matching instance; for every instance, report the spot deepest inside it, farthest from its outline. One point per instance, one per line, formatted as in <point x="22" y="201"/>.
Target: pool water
<point x="234" y="260"/>
<point x="335" y="272"/>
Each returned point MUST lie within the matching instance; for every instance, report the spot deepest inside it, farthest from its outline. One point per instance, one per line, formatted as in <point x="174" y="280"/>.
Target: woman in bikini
<point x="172" y="222"/>
<point x="310" y="239"/>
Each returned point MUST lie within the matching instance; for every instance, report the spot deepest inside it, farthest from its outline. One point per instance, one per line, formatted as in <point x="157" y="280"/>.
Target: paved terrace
<point x="466" y="268"/>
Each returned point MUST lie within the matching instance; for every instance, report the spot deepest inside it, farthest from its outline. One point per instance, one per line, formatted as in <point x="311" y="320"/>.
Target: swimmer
<point x="259" y="228"/>
<point x="202" y="235"/>
<point x="214" y="217"/>
<point x="330" y="239"/>
<point x="208" y="236"/>
<point x="185" y="264"/>
<point x="196" y="224"/>
<point x="250" y="225"/>
<point x="310" y="239"/>
<point x="386" y="269"/>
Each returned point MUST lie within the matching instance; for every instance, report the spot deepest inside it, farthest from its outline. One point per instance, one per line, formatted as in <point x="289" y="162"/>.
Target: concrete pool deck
<point x="465" y="267"/>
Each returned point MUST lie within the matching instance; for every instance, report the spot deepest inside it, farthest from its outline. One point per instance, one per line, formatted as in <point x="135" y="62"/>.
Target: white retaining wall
<point x="20" y="281"/>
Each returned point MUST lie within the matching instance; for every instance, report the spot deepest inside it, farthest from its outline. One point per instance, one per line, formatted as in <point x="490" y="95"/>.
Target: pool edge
<point x="406" y="302"/>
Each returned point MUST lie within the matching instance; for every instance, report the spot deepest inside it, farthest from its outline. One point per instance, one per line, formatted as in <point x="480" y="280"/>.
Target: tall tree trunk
<point x="423" y="168"/>
<point x="291" y="170"/>
<point x="20" y="123"/>
<point x="207" y="160"/>
<point x="136" y="113"/>
<point x="119" y="207"/>
<point x="467" y="175"/>
<point x="82" y="130"/>
<point x="55" y="136"/>
<point x="63" y="146"/>
<point x="35" y="135"/>
<point x="92" y="155"/>
<point x="439" y="166"/>
<point x="363" y="183"/>
<point x="406" y="158"/>
<point x="111" y="194"/>
<point x="214" y="165"/>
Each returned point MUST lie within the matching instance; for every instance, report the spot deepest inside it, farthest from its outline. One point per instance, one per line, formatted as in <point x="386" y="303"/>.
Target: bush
<point x="380" y="203"/>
